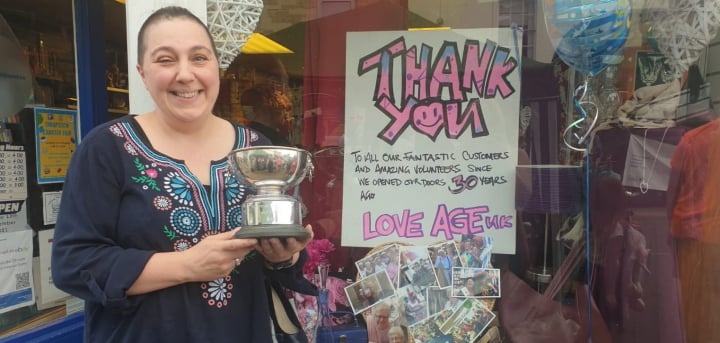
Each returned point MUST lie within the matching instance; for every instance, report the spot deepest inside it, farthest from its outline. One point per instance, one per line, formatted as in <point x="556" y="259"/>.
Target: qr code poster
<point x="16" y="287"/>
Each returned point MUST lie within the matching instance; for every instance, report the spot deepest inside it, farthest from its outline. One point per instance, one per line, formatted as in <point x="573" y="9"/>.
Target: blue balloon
<point x="592" y="54"/>
<point x="588" y="34"/>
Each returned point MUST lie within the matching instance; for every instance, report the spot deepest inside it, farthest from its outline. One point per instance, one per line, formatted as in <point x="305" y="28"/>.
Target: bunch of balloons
<point x="588" y="34"/>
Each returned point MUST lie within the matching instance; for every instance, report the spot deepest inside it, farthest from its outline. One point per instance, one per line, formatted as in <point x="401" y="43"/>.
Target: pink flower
<point x="317" y="250"/>
<point x="151" y="173"/>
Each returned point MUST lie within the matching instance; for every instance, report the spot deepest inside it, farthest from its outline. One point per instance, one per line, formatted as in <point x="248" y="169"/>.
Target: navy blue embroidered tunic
<point x="122" y="201"/>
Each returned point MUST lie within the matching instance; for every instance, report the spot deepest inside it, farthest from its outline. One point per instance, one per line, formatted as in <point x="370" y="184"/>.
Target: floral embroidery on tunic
<point x="147" y="177"/>
<point x="182" y="244"/>
<point x="185" y="221"/>
<point x="185" y="205"/>
<point x="234" y="191"/>
<point x="162" y="203"/>
<point x="130" y="149"/>
<point x="178" y="188"/>
<point x="115" y="129"/>
<point x="217" y="292"/>
<point x="235" y="217"/>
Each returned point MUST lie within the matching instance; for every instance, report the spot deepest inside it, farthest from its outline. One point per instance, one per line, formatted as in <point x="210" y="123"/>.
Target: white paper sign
<point x="47" y="292"/>
<point x="13" y="215"/>
<point x="16" y="282"/>
<point x="51" y="206"/>
<point x="13" y="179"/>
<point x="647" y="164"/>
<point x="431" y="136"/>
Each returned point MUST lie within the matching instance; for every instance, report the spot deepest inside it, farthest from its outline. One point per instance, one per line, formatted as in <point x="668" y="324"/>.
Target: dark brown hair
<point x="167" y="13"/>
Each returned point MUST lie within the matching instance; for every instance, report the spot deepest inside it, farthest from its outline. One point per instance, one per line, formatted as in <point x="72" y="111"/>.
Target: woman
<point x="468" y="289"/>
<point x="393" y="267"/>
<point x="149" y="209"/>
<point x="369" y="269"/>
<point x="467" y="255"/>
<point x="370" y="293"/>
<point x="378" y="324"/>
<point x="443" y="268"/>
<point x="414" y="308"/>
<point x="398" y="334"/>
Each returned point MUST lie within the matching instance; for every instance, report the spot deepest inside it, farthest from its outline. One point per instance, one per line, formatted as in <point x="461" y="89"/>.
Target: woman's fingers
<point x="278" y="250"/>
<point x="217" y="255"/>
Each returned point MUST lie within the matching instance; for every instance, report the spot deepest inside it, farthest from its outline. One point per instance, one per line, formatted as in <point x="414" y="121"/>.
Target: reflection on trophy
<point x="271" y="171"/>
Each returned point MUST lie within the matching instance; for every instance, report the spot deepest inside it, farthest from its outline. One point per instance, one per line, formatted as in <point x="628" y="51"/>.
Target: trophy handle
<point x="310" y="167"/>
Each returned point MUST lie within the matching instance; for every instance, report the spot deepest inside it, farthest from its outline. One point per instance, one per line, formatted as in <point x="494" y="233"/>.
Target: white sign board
<point x="647" y="164"/>
<point x="431" y="136"/>
<point x="47" y="293"/>
<point x="13" y="216"/>
<point x="51" y="206"/>
<point x="13" y="181"/>
<point x="16" y="282"/>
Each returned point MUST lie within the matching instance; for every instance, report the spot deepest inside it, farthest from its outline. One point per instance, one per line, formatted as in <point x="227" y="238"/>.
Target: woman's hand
<point x="276" y="250"/>
<point x="216" y="256"/>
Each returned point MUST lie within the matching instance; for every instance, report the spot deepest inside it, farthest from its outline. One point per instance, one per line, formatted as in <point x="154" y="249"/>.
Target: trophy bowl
<point x="271" y="171"/>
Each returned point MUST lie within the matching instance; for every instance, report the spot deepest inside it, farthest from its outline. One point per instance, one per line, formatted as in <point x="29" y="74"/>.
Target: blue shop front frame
<point x="67" y="330"/>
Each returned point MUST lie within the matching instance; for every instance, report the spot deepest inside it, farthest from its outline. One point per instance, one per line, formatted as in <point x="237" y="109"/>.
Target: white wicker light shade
<point x="684" y="29"/>
<point x="231" y="22"/>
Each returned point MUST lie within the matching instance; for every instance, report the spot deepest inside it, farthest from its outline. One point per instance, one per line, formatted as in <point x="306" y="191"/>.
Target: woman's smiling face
<point x="179" y="68"/>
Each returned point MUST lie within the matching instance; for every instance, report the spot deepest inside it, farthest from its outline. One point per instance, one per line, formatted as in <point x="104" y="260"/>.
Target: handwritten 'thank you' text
<point x="482" y="68"/>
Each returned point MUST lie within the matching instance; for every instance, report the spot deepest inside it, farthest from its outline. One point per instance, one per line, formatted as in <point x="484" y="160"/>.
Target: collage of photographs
<point x="427" y="294"/>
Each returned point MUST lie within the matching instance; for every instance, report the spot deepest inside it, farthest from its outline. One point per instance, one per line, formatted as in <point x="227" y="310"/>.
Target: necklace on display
<point x="645" y="182"/>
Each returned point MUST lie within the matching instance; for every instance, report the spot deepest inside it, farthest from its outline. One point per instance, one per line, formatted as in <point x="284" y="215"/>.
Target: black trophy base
<point x="273" y="231"/>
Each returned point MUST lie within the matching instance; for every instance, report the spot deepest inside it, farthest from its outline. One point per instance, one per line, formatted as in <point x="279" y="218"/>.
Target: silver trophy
<point x="271" y="171"/>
